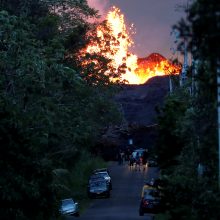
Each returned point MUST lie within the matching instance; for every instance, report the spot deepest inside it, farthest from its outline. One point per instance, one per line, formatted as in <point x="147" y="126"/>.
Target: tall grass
<point x="72" y="183"/>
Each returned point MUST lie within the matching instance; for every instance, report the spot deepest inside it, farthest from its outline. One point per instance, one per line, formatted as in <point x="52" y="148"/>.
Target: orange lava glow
<point x="137" y="70"/>
<point x="155" y="65"/>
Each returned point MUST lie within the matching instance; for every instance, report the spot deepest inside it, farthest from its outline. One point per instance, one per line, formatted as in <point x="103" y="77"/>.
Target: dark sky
<point x="153" y="20"/>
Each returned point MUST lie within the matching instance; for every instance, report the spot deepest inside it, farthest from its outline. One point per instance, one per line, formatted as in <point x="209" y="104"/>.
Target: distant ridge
<point x="152" y="58"/>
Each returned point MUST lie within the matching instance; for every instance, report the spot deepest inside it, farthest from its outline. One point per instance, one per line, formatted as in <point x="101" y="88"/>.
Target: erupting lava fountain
<point x="137" y="70"/>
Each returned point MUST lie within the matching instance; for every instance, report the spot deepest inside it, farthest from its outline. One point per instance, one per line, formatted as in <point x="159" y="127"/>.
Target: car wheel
<point x="77" y="214"/>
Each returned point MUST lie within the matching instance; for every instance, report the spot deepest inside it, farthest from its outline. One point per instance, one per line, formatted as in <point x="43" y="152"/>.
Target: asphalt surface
<point x="125" y="195"/>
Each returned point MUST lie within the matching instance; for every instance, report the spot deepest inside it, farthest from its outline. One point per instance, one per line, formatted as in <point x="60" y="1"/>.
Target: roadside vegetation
<point x="187" y="147"/>
<point x="52" y="107"/>
<point x="72" y="183"/>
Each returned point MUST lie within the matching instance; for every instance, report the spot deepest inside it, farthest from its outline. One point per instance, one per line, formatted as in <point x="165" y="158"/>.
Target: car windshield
<point x="67" y="202"/>
<point x="151" y="193"/>
<point x="96" y="176"/>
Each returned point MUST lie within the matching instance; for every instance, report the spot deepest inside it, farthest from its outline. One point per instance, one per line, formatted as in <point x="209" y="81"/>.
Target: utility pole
<point x="218" y="104"/>
<point x="217" y="14"/>
<point x="185" y="65"/>
<point x="175" y="35"/>
<point x="183" y="74"/>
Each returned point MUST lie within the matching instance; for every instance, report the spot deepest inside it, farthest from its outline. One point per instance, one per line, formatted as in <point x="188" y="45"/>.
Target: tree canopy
<point x="48" y="110"/>
<point x="188" y="123"/>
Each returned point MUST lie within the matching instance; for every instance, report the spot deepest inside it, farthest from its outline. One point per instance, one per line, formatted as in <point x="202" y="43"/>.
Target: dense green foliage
<point x="49" y="113"/>
<point x="188" y="123"/>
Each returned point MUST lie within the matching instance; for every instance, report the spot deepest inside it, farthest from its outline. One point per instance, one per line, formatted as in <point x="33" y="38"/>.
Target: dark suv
<point x="98" y="188"/>
<point x="104" y="172"/>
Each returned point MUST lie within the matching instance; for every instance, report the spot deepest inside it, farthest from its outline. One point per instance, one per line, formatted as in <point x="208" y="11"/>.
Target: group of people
<point x="138" y="161"/>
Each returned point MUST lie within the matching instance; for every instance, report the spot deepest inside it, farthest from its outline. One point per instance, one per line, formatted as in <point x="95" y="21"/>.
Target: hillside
<point x="138" y="102"/>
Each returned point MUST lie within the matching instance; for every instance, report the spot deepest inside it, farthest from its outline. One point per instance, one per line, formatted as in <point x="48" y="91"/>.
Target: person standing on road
<point x="122" y="157"/>
<point x="131" y="161"/>
<point x="137" y="162"/>
<point x="145" y="156"/>
<point x="119" y="158"/>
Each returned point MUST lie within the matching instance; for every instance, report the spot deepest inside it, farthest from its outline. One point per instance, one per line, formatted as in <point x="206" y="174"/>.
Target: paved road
<point x="125" y="195"/>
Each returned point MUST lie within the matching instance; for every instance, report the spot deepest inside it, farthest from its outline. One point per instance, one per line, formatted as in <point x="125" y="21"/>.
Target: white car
<point x="69" y="207"/>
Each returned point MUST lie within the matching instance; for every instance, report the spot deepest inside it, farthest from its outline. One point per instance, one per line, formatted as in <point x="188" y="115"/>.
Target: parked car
<point x="69" y="207"/>
<point x="105" y="174"/>
<point x="150" y="201"/>
<point x="98" y="188"/>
